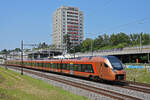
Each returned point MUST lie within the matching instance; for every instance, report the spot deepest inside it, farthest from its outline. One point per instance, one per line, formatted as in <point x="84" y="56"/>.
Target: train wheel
<point x="90" y="77"/>
<point x="95" y="78"/>
<point x="101" y="80"/>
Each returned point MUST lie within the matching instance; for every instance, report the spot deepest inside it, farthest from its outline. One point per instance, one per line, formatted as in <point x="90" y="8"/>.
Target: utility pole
<point x="22" y="57"/>
<point x="5" y="61"/>
<point x="148" y="58"/>
<point x="91" y="47"/>
<point x="140" y="42"/>
<point x="74" y="51"/>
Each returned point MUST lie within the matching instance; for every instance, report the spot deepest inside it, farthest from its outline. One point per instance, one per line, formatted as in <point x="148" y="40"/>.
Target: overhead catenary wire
<point x="122" y="25"/>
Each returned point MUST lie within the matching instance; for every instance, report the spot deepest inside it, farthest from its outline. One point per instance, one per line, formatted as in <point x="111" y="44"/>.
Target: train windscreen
<point x="115" y="62"/>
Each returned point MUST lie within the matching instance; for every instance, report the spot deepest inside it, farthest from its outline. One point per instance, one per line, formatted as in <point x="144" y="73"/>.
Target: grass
<point x="140" y="75"/>
<point x="14" y="86"/>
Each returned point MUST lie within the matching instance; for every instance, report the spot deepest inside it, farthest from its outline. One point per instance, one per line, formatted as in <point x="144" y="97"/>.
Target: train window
<point x="58" y="66"/>
<point x="33" y="63"/>
<point x="79" y="68"/>
<point x="37" y="64"/>
<point x="87" y="68"/>
<point x="54" y="65"/>
<point x="64" y="66"/>
<point x="68" y="66"/>
<point x="83" y="67"/>
<point x="61" y="66"/>
<point x="30" y="63"/>
<point x="76" y="67"/>
<point x="50" y="65"/>
<point x="90" y="68"/>
<point x="46" y="64"/>
<point x="105" y="65"/>
<point x="43" y="65"/>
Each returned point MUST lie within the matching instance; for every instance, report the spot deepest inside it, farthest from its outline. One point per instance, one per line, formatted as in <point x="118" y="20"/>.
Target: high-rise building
<point x="67" y="20"/>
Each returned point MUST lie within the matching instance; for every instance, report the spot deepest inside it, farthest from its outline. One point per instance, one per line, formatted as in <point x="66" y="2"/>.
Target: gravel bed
<point x="133" y="93"/>
<point x="92" y="96"/>
<point x="74" y="90"/>
<point x="139" y="86"/>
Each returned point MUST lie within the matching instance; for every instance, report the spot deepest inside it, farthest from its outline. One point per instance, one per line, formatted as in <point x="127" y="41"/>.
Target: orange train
<point x="96" y="67"/>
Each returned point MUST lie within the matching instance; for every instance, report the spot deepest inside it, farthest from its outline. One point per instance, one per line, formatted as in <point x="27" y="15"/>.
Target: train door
<point x="104" y="71"/>
<point x="71" y="68"/>
<point x="52" y="67"/>
<point x="101" y="70"/>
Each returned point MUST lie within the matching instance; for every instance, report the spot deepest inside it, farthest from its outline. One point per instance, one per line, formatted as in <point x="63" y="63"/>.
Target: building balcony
<point x="73" y="33"/>
<point x="72" y="26"/>
<point x="73" y="29"/>
<point x="73" y="13"/>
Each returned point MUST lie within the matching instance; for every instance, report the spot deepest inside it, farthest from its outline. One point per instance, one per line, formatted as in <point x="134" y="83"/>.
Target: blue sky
<point x="31" y="20"/>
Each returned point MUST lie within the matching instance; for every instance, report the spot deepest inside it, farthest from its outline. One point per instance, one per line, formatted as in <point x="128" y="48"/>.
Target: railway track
<point x="138" y="83"/>
<point x="136" y="87"/>
<point x="100" y="91"/>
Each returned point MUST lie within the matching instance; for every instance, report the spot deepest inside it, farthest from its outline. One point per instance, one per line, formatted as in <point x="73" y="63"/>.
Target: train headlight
<point x="114" y="71"/>
<point x="124" y="72"/>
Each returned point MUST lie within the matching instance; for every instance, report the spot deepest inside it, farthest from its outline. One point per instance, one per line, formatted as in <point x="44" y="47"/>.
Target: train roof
<point x="78" y="59"/>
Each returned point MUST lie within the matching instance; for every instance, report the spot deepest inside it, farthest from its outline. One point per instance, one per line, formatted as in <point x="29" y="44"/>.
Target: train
<point x="107" y="68"/>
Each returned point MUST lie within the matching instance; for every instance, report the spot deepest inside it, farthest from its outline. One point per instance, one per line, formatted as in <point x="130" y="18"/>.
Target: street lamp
<point x="91" y="47"/>
<point x="22" y="57"/>
<point x="5" y="60"/>
<point x="140" y="42"/>
<point x="22" y="63"/>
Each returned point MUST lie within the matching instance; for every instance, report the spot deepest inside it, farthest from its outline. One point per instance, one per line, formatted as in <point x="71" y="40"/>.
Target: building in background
<point x="67" y="20"/>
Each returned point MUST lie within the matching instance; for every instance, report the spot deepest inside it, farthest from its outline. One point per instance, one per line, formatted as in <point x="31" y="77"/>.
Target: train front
<point x="116" y="68"/>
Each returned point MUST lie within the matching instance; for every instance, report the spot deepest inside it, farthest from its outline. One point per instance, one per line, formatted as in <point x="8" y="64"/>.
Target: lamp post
<point x="91" y="47"/>
<point x="140" y="42"/>
<point x="5" y="61"/>
<point x="22" y="57"/>
<point x="22" y="62"/>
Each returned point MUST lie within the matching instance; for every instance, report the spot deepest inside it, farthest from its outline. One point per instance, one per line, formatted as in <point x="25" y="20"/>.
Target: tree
<point x="66" y="40"/>
<point x="134" y="38"/>
<point x="4" y="51"/>
<point x="17" y="50"/>
<point x="43" y="45"/>
<point x="146" y="39"/>
<point x="86" y="45"/>
<point x="98" y="42"/>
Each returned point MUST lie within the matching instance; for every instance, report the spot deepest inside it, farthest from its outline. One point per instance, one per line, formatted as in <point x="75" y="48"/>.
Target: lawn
<point x="14" y="86"/>
<point x="140" y="75"/>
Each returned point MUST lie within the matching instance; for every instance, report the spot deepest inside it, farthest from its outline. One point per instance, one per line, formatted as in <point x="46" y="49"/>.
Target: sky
<point x="31" y="20"/>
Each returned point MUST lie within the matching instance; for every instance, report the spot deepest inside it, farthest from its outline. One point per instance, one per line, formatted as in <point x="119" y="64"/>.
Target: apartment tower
<point x="67" y="20"/>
